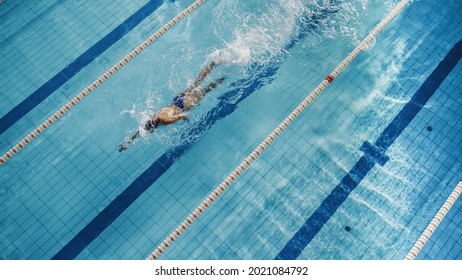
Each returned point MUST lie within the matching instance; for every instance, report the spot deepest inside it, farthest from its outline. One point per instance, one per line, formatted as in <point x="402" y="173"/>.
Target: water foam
<point x="258" y="33"/>
<point x="142" y="112"/>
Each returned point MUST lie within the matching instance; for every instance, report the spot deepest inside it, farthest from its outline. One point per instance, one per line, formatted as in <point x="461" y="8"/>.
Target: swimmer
<point x="182" y="103"/>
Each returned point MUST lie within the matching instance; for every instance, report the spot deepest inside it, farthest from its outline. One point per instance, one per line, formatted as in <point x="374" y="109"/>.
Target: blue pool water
<point x="358" y="176"/>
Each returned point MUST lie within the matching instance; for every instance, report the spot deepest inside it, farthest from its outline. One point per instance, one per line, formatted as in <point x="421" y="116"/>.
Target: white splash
<point x="143" y="111"/>
<point x="258" y="33"/>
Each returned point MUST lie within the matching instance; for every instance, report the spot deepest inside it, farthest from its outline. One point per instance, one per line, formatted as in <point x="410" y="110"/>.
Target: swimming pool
<point x="70" y="194"/>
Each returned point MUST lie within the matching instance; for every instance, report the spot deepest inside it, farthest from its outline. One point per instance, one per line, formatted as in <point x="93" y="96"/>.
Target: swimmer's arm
<point x="168" y="116"/>
<point x="124" y="146"/>
<point x="134" y="136"/>
<point x="174" y="118"/>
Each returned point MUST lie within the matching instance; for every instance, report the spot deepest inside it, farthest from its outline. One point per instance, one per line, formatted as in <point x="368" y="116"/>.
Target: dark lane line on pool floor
<point x="373" y="153"/>
<point x="39" y="95"/>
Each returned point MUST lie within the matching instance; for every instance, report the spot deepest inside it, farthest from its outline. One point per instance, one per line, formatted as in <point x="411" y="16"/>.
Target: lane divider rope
<point x="273" y="135"/>
<point x="422" y="240"/>
<point x="34" y="133"/>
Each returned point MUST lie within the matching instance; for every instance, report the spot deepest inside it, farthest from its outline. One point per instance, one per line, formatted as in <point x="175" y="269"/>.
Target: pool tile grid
<point x="57" y="43"/>
<point x="151" y="213"/>
<point x="377" y="193"/>
<point x="446" y="242"/>
<point x="225" y="246"/>
<point x="430" y="178"/>
<point x="441" y="175"/>
<point x="17" y="15"/>
<point x="69" y="196"/>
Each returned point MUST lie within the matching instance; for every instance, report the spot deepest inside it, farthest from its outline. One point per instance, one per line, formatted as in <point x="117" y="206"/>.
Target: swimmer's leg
<point x="202" y="76"/>
<point x="211" y="86"/>
<point x="192" y="99"/>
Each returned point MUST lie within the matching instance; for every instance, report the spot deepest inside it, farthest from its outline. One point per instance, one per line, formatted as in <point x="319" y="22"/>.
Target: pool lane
<point x="373" y="154"/>
<point x="227" y="105"/>
<point x="33" y="100"/>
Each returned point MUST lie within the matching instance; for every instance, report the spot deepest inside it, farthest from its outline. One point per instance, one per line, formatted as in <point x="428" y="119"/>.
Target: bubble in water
<point x="236" y="53"/>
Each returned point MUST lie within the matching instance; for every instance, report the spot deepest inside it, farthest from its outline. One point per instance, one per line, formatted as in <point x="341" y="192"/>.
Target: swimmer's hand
<point x="220" y="80"/>
<point x="123" y="147"/>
